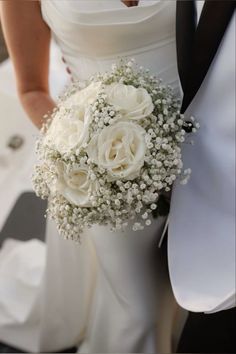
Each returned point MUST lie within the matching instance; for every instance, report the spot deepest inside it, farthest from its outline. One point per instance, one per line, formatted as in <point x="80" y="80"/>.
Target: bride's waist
<point x="159" y="58"/>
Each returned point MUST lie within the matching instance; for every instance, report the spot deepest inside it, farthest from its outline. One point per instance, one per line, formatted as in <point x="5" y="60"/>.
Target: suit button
<point x="188" y="127"/>
<point x="68" y="70"/>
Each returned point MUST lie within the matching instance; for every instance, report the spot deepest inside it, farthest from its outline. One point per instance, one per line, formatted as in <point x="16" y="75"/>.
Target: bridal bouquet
<point x="110" y="151"/>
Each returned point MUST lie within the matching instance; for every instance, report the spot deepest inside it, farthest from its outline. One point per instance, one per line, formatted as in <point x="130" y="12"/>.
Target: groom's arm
<point x="28" y="41"/>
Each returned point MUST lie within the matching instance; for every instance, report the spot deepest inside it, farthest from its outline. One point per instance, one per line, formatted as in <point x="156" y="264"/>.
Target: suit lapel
<point x="213" y="22"/>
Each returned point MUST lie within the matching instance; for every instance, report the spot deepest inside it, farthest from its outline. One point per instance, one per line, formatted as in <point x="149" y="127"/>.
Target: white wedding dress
<point x="111" y="293"/>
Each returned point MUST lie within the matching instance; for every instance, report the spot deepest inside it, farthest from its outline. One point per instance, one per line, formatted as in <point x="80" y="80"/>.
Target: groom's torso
<point x="202" y="219"/>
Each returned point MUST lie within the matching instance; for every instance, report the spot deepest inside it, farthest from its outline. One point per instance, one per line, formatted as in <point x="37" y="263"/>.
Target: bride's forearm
<point x="28" y="41"/>
<point x="36" y="105"/>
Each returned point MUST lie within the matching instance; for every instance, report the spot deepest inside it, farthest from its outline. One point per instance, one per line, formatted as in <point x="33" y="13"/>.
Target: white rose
<point x="75" y="185"/>
<point x="67" y="132"/>
<point x="83" y="98"/>
<point x="120" y="149"/>
<point x="70" y="130"/>
<point x="134" y="103"/>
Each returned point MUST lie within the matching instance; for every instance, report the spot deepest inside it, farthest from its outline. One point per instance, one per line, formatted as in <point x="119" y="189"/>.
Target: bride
<point x="111" y="293"/>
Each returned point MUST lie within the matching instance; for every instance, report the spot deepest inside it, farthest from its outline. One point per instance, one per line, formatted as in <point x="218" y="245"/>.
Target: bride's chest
<point x="105" y="27"/>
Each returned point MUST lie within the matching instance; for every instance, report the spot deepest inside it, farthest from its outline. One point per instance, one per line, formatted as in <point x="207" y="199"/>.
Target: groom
<point x="201" y="242"/>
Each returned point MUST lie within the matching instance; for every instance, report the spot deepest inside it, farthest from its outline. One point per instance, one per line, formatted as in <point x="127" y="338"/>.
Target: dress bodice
<point x="92" y="34"/>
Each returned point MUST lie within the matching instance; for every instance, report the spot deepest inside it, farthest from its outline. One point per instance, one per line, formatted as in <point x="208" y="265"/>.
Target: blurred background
<point x="3" y="50"/>
<point x="22" y="218"/>
<point x="18" y="204"/>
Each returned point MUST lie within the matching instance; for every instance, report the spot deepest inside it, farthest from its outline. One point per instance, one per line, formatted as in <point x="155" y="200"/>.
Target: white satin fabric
<point x="202" y="218"/>
<point x="93" y="34"/>
<point x="111" y="293"/>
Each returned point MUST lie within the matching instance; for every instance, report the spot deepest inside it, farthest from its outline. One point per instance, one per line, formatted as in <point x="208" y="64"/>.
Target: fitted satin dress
<point x="111" y="293"/>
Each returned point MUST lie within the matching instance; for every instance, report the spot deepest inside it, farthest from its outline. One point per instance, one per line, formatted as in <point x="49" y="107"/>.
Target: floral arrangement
<point x="110" y="151"/>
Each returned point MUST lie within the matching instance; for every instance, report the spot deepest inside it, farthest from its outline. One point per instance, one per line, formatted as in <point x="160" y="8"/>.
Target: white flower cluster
<point x="109" y="151"/>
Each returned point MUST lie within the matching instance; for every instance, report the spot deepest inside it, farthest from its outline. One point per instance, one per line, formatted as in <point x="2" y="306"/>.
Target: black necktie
<point x="198" y="44"/>
<point x="186" y="22"/>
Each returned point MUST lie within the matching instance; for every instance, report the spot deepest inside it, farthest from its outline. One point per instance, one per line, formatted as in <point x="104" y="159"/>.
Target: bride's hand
<point x="28" y="40"/>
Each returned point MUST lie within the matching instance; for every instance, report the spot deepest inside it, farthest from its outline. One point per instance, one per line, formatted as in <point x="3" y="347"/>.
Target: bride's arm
<point x="28" y="40"/>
